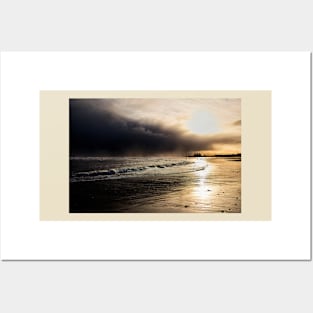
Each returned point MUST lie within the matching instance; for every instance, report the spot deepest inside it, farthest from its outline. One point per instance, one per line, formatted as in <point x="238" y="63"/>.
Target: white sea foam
<point x="142" y="167"/>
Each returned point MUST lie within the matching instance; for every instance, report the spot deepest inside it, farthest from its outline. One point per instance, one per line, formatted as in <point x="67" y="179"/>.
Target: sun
<point x="202" y="123"/>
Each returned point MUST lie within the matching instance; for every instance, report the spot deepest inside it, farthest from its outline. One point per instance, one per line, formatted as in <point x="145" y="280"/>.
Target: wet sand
<point x="216" y="188"/>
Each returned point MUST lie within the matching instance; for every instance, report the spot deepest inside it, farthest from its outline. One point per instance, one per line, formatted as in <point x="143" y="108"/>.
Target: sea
<point x="155" y="184"/>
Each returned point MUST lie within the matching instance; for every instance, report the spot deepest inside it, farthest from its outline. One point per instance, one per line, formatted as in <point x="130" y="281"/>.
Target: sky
<point x="144" y="127"/>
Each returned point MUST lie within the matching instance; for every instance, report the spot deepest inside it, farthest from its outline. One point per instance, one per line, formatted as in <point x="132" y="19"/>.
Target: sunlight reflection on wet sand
<point x="215" y="188"/>
<point x="201" y="187"/>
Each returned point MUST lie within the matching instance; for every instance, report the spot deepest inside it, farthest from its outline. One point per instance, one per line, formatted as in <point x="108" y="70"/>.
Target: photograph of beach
<point x="140" y="155"/>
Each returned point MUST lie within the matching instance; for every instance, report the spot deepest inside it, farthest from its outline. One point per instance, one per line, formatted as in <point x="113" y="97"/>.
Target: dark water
<point x="150" y="184"/>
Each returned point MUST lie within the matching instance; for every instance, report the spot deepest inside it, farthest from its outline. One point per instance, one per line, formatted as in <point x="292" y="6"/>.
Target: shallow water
<point x="150" y="184"/>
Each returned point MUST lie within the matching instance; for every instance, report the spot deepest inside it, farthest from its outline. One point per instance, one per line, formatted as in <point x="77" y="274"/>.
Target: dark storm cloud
<point x="96" y="129"/>
<point x="237" y="123"/>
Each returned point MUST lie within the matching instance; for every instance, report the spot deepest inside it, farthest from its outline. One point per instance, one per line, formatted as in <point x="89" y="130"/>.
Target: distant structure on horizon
<point x="198" y="154"/>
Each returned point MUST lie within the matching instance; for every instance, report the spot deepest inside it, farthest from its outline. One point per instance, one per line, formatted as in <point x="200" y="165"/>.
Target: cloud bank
<point x="97" y="129"/>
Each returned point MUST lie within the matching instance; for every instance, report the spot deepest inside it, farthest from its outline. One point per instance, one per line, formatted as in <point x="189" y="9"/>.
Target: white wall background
<point x="156" y="286"/>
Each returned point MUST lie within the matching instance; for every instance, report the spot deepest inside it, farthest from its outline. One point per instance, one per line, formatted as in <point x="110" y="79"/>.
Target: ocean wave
<point x="102" y="174"/>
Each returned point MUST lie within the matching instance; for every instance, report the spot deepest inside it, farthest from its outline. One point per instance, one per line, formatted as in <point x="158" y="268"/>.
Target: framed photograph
<point x="151" y="155"/>
<point x="155" y="155"/>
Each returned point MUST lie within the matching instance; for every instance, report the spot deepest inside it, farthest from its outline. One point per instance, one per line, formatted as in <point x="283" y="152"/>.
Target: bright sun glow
<point x="202" y="122"/>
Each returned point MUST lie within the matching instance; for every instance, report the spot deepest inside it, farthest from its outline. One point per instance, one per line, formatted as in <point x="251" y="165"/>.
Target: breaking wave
<point x="115" y="173"/>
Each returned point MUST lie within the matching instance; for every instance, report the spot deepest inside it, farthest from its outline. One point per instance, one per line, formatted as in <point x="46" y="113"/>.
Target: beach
<point x="155" y="184"/>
